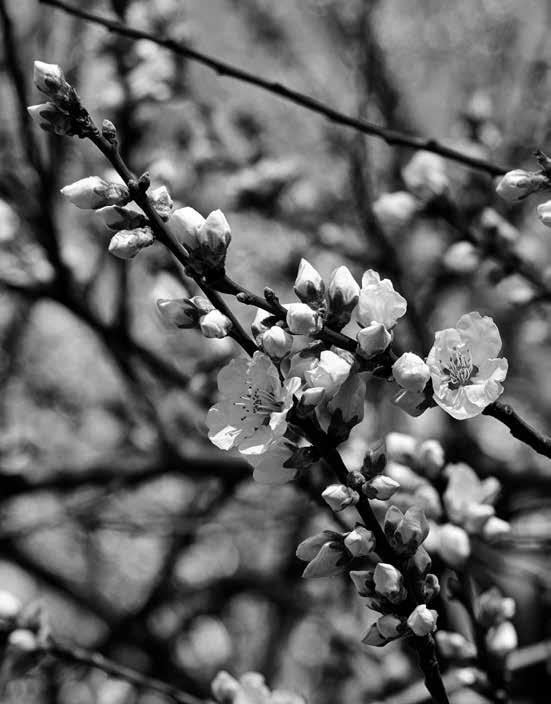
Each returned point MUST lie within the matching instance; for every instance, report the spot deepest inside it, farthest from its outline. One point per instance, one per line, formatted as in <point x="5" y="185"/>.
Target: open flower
<point x="379" y="302"/>
<point x="252" y="412"/>
<point x="464" y="366"/>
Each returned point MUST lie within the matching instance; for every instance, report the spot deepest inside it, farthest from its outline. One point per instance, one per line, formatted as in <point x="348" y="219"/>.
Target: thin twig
<point x="391" y="137"/>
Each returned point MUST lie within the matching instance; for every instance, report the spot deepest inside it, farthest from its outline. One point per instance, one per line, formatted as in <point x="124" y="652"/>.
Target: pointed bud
<point x="310" y="547"/>
<point x="519" y="184"/>
<point x="109" y="131"/>
<point x="455" y="546"/>
<point x="410" y="372"/>
<point x="183" y="224"/>
<point x="360" y="541"/>
<point x="126" y="244"/>
<point x="178" y="312"/>
<point x="302" y="320"/>
<point x="393" y="518"/>
<point x="342" y="294"/>
<point x="374" y="460"/>
<point x="207" y="240"/>
<point x="339" y="497"/>
<point x="422" y="620"/>
<point x="380" y="487"/>
<point x="431" y="458"/>
<point x="276" y="342"/>
<point x="411" y="531"/>
<point x="117" y="217"/>
<point x="420" y="560"/>
<point x="93" y="192"/>
<point x="363" y="581"/>
<point x="390" y="626"/>
<point x="373" y="339"/>
<point x="309" y="285"/>
<point x="50" y="119"/>
<point x="215" y="324"/>
<point x="49" y="79"/>
<point x="502" y="639"/>
<point x="327" y="563"/>
<point x="395" y="210"/>
<point x="161" y="200"/>
<point x="389" y="582"/>
<point x="374" y="637"/>
<point x="431" y="587"/>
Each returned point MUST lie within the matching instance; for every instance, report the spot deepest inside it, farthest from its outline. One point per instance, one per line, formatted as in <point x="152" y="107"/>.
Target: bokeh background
<point x="141" y="539"/>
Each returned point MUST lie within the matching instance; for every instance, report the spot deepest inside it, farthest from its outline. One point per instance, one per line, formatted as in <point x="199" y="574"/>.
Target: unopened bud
<point x="215" y="324"/>
<point x="161" y="200"/>
<point x="363" y="581"/>
<point x="373" y="339"/>
<point x="412" y="530"/>
<point x="410" y="372"/>
<point x="108" y="130"/>
<point x="395" y="210"/>
<point x="50" y="119"/>
<point x="422" y="620"/>
<point x="178" y="312"/>
<point x="462" y="258"/>
<point x="126" y="244"/>
<point x="455" y="545"/>
<point x="276" y="342"/>
<point x="431" y="587"/>
<point x="93" y="192"/>
<point x="425" y="175"/>
<point x="309" y="285"/>
<point x="207" y="240"/>
<point x="49" y="79"/>
<point x="342" y="295"/>
<point x="302" y="320"/>
<point x="430" y="458"/>
<point x="10" y="607"/>
<point x="390" y="626"/>
<point x="519" y="184"/>
<point x="380" y="487"/>
<point x="347" y="406"/>
<point x="374" y="637"/>
<point x="339" y="497"/>
<point x="118" y="217"/>
<point x="328" y="562"/>
<point x="360" y="541"/>
<point x="389" y="582"/>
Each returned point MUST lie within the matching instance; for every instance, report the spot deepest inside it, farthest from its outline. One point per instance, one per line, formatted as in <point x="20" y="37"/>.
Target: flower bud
<point x="411" y="402"/>
<point x="309" y="285"/>
<point x="49" y="79"/>
<point x="420" y="560"/>
<point x="422" y="620"/>
<point x="374" y="461"/>
<point x="431" y="587"/>
<point x="360" y="541"/>
<point x="225" y="688"/>
<point x="462" y="258"/>
<point x="310" y="398"/>
<point x="395" y="210"/>
<point x="342" y="295"/>
<point x="302" y="320"/>
<point x="161" y="200"/>
<point x="412" y="529"/>
<point x="389" y="582"/>
<point x="207" y="240"/>
<point x="276" y="342"/>
<point x="374" y="637"/>
<point x="379" y="302"/>
<point x="117" y="217"/>
<point x="349" y="401"/>
<point x="363" y="581"/>
<point x="455" y="546"/>
<point x="339" y="497"/>
<point x="329" y="372"/>
<point x="10" y="607"/>
<point x="502" y="639"/>
<point x="518" y="184"/>
<point x="454" y="646"/>
<point x="495" y="528"/>
<point x="93" y="192"/>
<point x="50" y="119"/>
<point x="126" y="244"/>
<point x="390" y="626"/>
<point x="178" y="312"/>
<point x="400" y="447"/>
<point x="310" y="547"/>
<point x="410" y="372"/>
<point x="380" y="487"/>
<point x="425" y="175"/>
<point x="215" y="324"/>
<point x="183" y="224"/>
<point x="373" y="339"/>
<point x="327" y="563"/>
<point x="431" y="458"/>
<point x="428" y="498"/>
<point x="544" y="213"/>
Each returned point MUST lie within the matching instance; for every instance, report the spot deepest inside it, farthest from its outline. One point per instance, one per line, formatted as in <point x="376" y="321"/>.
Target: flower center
<point x="259" y="402"/>
<point x="461" y="368"/>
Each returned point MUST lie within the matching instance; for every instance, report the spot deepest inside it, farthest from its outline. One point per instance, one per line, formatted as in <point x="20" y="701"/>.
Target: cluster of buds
<point x="425" y="179"/>
<point x="62" y="114"/>
<point x="251" y="688"/>
<point x="384" y="591"/>
<point x="206" y="239"/>
<point x="330" y="553"/>
<point x="196" y="312"/>
<point x="494" y="613"/>
<point x="24" y="633"/>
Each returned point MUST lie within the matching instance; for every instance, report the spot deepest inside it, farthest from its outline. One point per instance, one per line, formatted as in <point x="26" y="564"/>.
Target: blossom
<point x="360" y="541"/>
<point x="49" y="79"/>
<point x="303" y="320"/>
<point x="276" y="342"/>
<point x="215" y="324"/>
<point x="206" y="239"/>
<point x="389" y="582"/>
<point x="254" y="405"/>
<point x="379" y="302"/>
<point x="93" y="192"/>
<point x="410" y="372"/>
<point x="454" y="545"/>
<point x="338" y="496"/>
<point x="464" y="366"/>
<point x="373" y="339"/>
<point x="380" y="487"/>
<point x="422" y="620"/>
<point x="126" y="244"/>
<point x="118" y="217"/>
<point x="328" y="372"/>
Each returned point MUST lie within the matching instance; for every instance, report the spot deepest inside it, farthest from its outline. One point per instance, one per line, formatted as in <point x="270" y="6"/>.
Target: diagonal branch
<point x="390" y="136"/>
